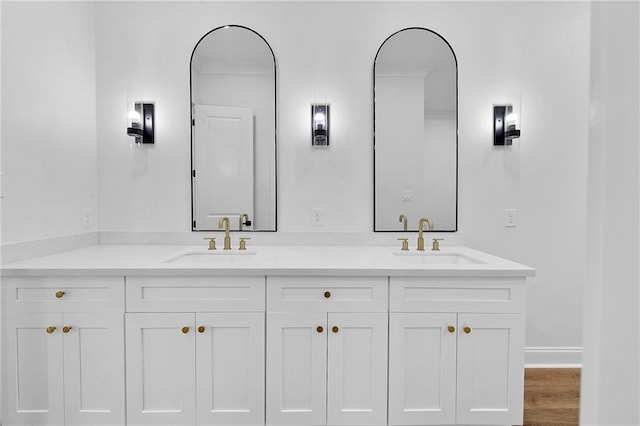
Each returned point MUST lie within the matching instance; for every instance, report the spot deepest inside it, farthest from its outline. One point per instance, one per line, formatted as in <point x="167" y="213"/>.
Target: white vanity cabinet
<point x="456" y="351"/>
<point x="195" y="350"/>
<point x="270" y="341"/>
<point x="63" y="351"/>
<point x="326" y="351"/>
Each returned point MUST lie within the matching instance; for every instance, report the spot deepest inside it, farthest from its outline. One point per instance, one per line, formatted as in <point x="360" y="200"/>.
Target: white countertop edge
<point x="189" y="271"/>
<point x="110" y="260"/>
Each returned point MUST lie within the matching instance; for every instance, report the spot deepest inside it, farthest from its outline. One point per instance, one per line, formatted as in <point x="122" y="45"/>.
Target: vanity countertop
<point x="268" y="260"/>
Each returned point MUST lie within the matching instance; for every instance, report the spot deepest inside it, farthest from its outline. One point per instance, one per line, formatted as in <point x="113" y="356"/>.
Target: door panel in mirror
<point x="415" y="132"/>
<point x="233" y="134"/>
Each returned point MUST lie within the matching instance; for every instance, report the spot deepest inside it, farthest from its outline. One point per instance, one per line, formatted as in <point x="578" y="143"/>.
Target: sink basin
<point x="435" y="258"/>
<point x="212" y="257"/>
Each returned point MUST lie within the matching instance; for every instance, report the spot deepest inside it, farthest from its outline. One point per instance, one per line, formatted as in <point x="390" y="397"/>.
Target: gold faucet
<point x="241" y="222"/>
<point x="420" y="228"/>
<point x="224" y="221"/>
<point x="403" y="219"/>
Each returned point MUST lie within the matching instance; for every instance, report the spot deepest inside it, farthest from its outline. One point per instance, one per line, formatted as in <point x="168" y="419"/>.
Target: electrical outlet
<point x="316" y="216"/>
<point x="407" y="195"/>
<point x="86" y="217"/>
<point x="510" y="218"/>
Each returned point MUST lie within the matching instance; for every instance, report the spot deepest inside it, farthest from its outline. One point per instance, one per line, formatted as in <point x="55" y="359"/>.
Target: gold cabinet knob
<point x="327" y="294"/>
<point x="185" y="329"/>
<point x="50" y="329"/>
<point x="201" y="329"/>
<point x="60" y="294"/>
<point x="66" y="329"/>
<point x="319" y="329"/>
<point x="467" y="330"/>
<point x="335" y="329"/>
<point x="451" y="329"/>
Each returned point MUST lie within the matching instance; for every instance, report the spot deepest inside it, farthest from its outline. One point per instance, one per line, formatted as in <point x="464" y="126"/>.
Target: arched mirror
<point x="233" y="133"/>
<point x="415" y="132"/>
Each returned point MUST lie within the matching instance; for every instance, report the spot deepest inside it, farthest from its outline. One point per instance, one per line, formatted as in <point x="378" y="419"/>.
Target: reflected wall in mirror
<point x="415" y="132"/>
<point x="233" y="133"/>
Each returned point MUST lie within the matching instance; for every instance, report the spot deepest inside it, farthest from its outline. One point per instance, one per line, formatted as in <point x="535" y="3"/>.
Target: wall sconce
<point x="504" y="125"/>
<point x="141" y="123"/>
<point x="319" y="124"/>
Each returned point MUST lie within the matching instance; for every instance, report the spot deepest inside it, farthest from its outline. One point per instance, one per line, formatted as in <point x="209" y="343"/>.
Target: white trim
<point x="553" y="357"/>
<point x="534" y="366"/>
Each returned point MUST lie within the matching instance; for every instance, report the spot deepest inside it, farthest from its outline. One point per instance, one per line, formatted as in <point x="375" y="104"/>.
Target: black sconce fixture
<point x="141" y="123"/>
<point x="319" y="124"/>
<point x="504" y="125"/>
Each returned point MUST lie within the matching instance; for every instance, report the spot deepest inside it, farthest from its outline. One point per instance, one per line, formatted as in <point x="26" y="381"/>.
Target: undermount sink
<point x="435" y="258"/>
<point x="211" y="257"/>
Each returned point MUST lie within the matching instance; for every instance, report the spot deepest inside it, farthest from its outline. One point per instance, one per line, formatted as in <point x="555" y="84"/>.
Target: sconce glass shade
<point x="504" y="125"/>
<point x="319" y="124"/>
<point x="141" y="123"/>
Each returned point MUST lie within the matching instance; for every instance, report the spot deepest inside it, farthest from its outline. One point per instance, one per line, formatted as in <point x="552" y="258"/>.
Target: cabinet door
<point x="357" y="369"/>
<point x="94" y="368"/>
<point x="296" y="368"/>
<point x="490" y="368"/>
<point x="230" y="368"/>
<point x="160" y="369"/>
<point x="33" y="375"/>
<point x="422" y="368"/>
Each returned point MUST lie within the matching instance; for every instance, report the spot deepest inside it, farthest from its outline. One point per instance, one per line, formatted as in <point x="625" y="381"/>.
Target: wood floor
<point x="551" y="396"/>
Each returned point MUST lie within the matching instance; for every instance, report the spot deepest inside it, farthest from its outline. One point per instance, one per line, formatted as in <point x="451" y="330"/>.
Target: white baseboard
<point x="550" y="357"/>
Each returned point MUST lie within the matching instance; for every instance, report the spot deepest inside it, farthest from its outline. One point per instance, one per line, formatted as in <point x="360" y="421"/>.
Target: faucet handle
<point x="212" y="242"/>
<point x="405" y="244"/>
<point x="243" y="243"/>
<point x="436" y="244"/>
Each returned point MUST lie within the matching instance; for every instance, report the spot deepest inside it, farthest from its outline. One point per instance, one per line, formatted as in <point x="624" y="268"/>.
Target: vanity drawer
<point x="195" y="294"/>
<point x="63" y="294"/>
<point x="327" y="294"/>
<point x="420" y="294"/>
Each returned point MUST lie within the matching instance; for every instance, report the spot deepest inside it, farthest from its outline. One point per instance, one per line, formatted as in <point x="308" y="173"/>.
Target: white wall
<point x="48" y="111"/>
<point x="611" y="374"/>
<point x="534" y="54"/>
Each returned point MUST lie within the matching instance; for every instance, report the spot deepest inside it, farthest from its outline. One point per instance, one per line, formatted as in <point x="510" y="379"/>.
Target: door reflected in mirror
<point x="233" y="133"/>
<point x="415" y="132"/>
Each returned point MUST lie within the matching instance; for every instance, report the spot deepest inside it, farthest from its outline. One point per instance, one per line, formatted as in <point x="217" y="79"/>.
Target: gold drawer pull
<point x="185" y="329"/>
<point x="60" y="294"/>
<point x="327" y="294"/>
<point x="50" y="329"/>
<point x="451" y="329"/>
<point x="201" y="329"/>
<point x="66" y="329"/>
<point x="467" y="330"/>
<point x="319" y="329"/>
<point x="335" y="329"/>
